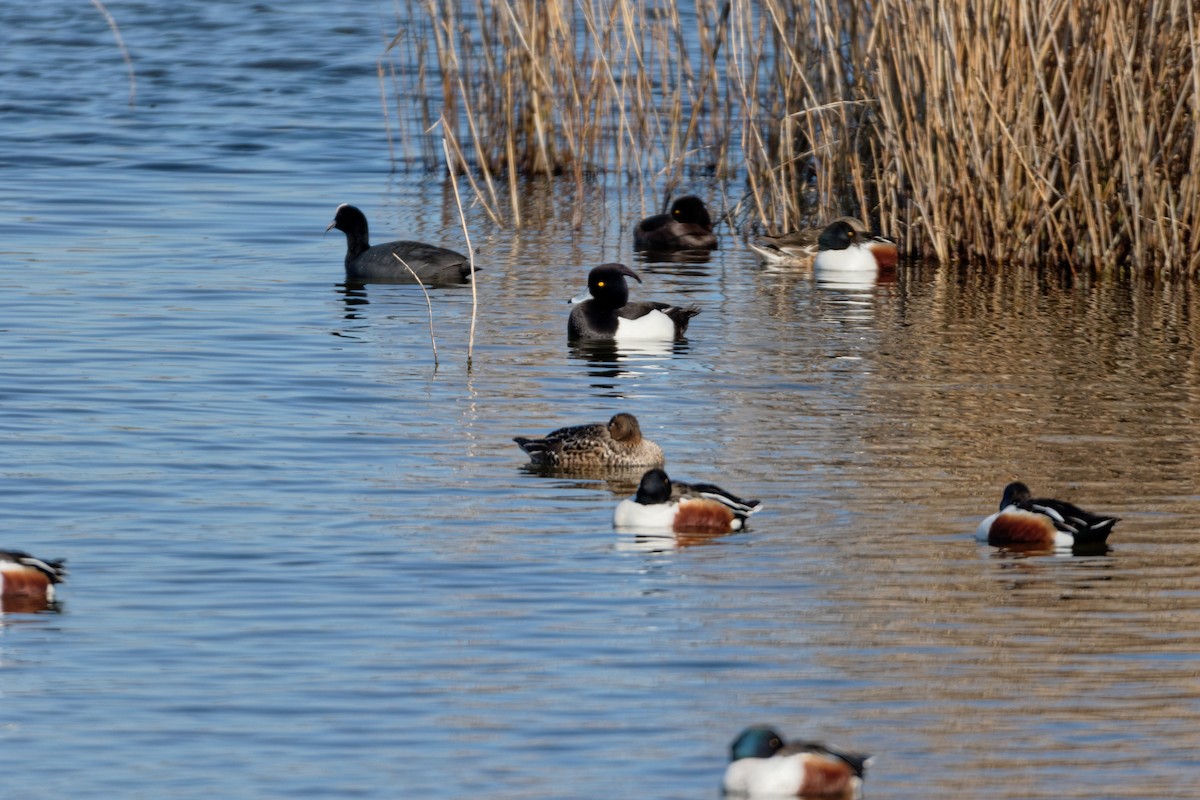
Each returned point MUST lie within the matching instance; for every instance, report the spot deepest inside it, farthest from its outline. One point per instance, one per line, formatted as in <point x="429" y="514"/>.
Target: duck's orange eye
<point x="599" y="283"/>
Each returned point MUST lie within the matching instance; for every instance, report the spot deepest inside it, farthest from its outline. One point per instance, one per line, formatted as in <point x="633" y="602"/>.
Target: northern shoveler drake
<point x="604" y="310"/>
<point x="687" y="226"/>
<point x="616" y="444"/>
<point x="665" y="505"/>
<point x="763" y="765"/>
<point x="382" y="263"/>
<point x="842" y="247"/>
<point x="26" y="578"/>
<point x="1023" y="520"/>
<point x="798" y="247"/>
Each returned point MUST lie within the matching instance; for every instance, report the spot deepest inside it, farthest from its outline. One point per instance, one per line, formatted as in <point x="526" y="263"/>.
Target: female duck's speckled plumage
<point x="842" y="247"/>
<point x="763" y="765"/>
<point x="1024" y="520"/>
<point x="619" y="443"/>
<point x="379" y="264"/>
<point x="25" y="578"/>
<point x="665" y="505"/>
<point x="687" y="226"/>
<point x="604" y="311"/>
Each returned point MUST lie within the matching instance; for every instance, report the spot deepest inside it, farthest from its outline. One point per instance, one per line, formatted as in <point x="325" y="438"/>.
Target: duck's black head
<point x="757" y="741"/>
<point x="654" y="488"/>
<point x="606" y="284"/>
<point x="690" y="208"/>
<point x="1015" y="492"/>
<point x="838" y="235"/>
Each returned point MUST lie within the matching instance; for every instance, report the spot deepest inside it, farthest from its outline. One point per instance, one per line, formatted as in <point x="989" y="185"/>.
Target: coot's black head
<point x="690" y="208"/>
<point x="654" y="488"/>
<point x="838" y="235"/>
<point x="757" y="741"/>
<point x="606" y="284"/>
<point x="350" y="221"/>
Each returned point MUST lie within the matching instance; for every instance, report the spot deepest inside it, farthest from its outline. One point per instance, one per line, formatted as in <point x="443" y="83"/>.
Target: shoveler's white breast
<point x="773" y="777"/>
<point x="855" y="258"/>
<point x="658" y="517"/>
<point x="655" y="325"/>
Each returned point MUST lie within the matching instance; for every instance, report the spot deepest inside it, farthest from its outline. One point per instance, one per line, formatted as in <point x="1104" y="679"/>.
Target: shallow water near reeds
<point x="306" y="561"/>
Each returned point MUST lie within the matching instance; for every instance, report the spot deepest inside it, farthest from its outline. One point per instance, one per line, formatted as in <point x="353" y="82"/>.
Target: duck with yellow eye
<point x="604" y="311"/>
<point x="688" y="226"/>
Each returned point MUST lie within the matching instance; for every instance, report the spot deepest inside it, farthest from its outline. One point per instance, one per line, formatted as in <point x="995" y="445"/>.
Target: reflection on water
<point x="615" y="368"/>
<point x="640" y="542"/>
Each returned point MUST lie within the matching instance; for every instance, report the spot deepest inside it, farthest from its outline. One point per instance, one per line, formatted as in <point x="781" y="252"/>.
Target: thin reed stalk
<point x="470" y="255"/>
<point x="428" y="306"/>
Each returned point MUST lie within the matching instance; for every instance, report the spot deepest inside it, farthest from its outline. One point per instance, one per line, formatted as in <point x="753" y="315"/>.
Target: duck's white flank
<point x="855" y="258"/>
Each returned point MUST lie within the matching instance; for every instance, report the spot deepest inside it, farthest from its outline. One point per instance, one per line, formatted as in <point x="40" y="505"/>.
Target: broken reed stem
<point x="470" y="253"/>
<point x="428" y="305"/>
<point x="112" y="24"/>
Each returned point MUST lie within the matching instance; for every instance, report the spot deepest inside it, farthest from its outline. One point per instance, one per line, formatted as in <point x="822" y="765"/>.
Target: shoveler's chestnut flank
<point x="663" y="505"/>
<point x="763" y="765"/>
<point x="604" y="310"/>
<point x="619" y="443"/>
<point x="379" y="264"/>
<point x="687" y="226"/>
<point x="842" y="247"/>
<point x="1023" y="520"/>
<point x="24" y="576"/>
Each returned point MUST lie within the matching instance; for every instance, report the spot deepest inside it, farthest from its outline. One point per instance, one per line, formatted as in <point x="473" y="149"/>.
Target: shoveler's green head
<point x="757" y="741"/>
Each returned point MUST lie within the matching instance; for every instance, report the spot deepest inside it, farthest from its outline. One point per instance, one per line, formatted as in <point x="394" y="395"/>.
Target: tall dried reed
<point x="1056" y="132"/>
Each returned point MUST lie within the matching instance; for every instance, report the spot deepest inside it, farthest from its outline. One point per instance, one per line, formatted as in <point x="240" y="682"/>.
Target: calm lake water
<point x="307" y="562"/>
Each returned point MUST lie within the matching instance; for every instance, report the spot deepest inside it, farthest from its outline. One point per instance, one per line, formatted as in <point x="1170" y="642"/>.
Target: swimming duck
<point x="604" y="310"/>
<point x="687" y="226"/>
<point x="378" y="264"/>
<point x="665" y="505"/>
<point x="24" y="576"/>
<point x="799" y="246"/>
<point x="843" y="247"/>
<point x="618" y="443"/>
<point x="1022" y="520"/>
<point x="762" y="765"/>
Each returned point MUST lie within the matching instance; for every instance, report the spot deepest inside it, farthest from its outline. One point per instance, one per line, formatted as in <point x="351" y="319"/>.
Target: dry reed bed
<point x="1059" y="132"/>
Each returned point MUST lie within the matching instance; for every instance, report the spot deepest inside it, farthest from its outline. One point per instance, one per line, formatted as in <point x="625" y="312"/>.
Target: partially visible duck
<point x="763" y="765"/>
<point x="843" y="247"/>
<point x="665" y="505"/>
<point x="798" y="247"/>
<point x="604" y="311"/>
<point x="26" y="579"/>
<point x="687" y="226"/>
<point x="1023" y="520"/>
<point x="378" y="264"/>
<point x="619" y="443"/>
